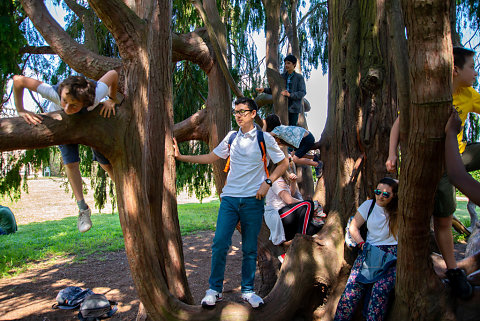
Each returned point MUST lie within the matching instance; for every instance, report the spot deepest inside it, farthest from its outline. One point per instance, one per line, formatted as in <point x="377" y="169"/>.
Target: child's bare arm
<point x="199" y="159"/>
<point x="19" y="84"/>
<point x="111" y="80"/>
<point x="393" y="145"/>
<point x="456" y="170"/>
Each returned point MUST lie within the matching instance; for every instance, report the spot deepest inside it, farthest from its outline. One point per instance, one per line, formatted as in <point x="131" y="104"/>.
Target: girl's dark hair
<point x="392" y="207"/>
<point x="272" y="121"/>
<point x="79" y="88"/>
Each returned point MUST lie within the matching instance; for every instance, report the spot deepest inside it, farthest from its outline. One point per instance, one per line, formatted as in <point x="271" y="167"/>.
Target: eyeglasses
<point x="384" y="194"/>
<point x="241" y="112"/>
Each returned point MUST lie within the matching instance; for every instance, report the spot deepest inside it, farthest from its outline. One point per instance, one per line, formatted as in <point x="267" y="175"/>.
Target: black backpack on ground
<point x="71" y="297"/>
<point x="96" y="307"/>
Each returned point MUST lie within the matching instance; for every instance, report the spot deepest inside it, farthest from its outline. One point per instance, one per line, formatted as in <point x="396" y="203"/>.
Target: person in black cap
<point x="296" y="90"/>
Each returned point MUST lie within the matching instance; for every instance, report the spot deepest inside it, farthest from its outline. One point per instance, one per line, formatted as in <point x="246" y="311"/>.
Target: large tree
<point x="138" y="142"/>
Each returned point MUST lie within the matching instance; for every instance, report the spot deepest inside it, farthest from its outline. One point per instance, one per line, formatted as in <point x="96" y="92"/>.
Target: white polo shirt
<point x="49" y="93"/>
<point x="247" y="170"/>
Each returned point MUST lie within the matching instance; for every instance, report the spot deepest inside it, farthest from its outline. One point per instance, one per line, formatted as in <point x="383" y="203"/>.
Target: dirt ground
<point x="30" y="295"/>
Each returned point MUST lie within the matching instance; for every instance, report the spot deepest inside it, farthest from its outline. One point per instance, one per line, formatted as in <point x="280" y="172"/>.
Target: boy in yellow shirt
<point x="465" y="100"/>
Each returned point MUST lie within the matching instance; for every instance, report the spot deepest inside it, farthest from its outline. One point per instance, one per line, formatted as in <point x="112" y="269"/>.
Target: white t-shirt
<point x="377" y="224"/>
<point x="49" y="93"/>
<point x="247" y="170"/>
<point x="273" y="202"/>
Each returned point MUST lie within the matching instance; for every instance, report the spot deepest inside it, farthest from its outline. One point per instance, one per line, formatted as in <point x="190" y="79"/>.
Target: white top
<point x="247" y="170"/>
<point x="272" y="199"/>
<point x="273" y="202"/>
<point x="377" y="224"/>
<point x="49" y="93"/>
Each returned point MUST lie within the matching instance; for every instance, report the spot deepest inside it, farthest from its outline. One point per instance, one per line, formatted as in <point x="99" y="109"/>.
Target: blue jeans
<point x="249" y="211"/>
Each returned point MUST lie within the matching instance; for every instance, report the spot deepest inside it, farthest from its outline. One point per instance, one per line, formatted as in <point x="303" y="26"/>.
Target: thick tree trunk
<point x="275" y="80"/>
<point x="361" y="109"/>
<point x="419" y="293"/>
<point x="219" y="96"/>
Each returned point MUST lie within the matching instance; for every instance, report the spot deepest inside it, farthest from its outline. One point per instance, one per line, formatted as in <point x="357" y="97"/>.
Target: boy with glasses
<point x="465" y="100"/>
<point x="241" y="198"/>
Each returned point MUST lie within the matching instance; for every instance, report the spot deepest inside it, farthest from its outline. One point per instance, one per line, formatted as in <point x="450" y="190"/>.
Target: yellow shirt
<point x="465" y="100"/>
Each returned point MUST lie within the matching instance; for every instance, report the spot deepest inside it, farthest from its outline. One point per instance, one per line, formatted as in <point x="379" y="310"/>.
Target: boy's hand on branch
<point x="285" y="93"/>
<point x="176" y="150"/>
<point x="30" y="117"/>
<point x="108" y="108"/>
<point x="391" y="163"/>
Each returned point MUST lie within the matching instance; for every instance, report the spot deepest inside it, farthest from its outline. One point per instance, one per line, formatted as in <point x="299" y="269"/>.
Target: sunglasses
<point x="384" y="194"/>
<point x="241" y="112"/>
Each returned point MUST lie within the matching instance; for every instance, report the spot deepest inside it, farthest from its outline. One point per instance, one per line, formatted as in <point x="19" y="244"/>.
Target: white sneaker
<point x="84" y="222"/>
<point x="254" y="300"/>
<point x="211" y="297"/>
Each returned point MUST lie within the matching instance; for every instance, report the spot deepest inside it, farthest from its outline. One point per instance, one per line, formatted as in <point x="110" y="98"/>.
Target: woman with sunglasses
<point x="382" y="233"/>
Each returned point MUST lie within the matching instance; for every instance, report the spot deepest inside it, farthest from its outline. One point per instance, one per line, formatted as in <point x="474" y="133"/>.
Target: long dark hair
<point x="392" y="207"/>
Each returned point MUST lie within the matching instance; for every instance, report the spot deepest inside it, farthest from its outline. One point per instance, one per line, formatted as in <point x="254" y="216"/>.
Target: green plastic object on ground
<point x="8" y="224"/>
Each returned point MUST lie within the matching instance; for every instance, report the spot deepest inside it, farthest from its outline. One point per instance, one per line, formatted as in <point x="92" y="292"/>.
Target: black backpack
<point x="96" y="307"/>
<point x="71" y="297"/>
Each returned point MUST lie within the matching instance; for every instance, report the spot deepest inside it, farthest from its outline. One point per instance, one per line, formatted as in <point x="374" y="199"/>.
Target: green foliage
<point x="191" y="90"/>
<point x="462" y="214"/>
<point x="313" y="37"/>
<point x="46" y="240"/>
<point x="11" y="39"/>
<point x="11" y="166"/>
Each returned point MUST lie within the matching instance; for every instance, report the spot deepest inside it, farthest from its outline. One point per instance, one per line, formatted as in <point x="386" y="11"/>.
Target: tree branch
<point x="217" y="50"/>
<point x="126" y="27"/>
<point x="192" y="128"/>
<point x="58" y="128"/>
<point x="74" y="54"/>
<point x="42" y="50"/>
<point x="88" y="21"/>
<point x="400" y="63"/>
<point x="193" y="47"/>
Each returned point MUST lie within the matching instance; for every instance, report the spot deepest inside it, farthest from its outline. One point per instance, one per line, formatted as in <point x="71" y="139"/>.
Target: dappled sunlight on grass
<point x="49" y="239"/>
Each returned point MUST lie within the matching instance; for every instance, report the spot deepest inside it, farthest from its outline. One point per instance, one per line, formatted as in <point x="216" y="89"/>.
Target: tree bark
<point x="361" y="109"/>
<point x="419" y="293"/>
<point x="275" y="80"/>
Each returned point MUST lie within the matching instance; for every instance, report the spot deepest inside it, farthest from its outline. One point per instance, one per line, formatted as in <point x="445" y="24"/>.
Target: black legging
<point x="296" y="218"/>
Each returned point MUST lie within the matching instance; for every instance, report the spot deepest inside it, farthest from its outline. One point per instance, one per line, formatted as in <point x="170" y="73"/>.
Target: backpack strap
<point x="263" y="150"/>
<point x="370" y="209"/>
<point x="230" y="141"/>
<point x="261" y="145"/>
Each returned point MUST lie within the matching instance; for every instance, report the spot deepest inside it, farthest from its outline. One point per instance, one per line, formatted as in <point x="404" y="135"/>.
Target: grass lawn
<point x="462" y="214"/>
<point x="51" y="239"/>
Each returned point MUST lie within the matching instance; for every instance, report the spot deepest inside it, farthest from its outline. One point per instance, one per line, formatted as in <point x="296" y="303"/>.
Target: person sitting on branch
<point x="380" y="215"/>
<point x="298" y="138"/>
<point x="295" y="89"/>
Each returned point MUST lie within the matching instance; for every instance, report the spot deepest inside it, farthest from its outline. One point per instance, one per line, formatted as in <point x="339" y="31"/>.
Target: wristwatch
<point x="268" y="181"/>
